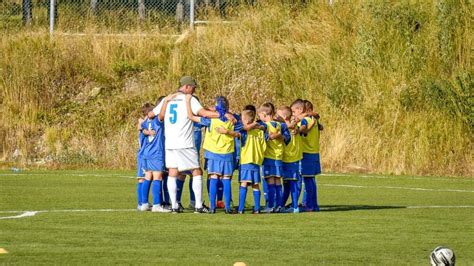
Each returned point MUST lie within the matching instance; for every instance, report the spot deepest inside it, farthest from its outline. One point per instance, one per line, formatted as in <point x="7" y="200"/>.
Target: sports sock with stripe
<point x="242" y="197"/>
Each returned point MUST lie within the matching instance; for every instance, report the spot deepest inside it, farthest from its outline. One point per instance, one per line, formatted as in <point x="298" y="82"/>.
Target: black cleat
<point x="180" y="207"/>
<point x="174" y="211"/>
<point x="204" y="209"/>
<point x="212" y="211"/>
<point x="231" y="211"/>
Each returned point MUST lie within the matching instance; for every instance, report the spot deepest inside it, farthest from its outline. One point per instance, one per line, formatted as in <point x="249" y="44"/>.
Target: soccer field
<point x="89" y="217"/>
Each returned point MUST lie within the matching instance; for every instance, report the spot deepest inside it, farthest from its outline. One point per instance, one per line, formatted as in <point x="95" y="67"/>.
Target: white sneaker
<point x="159" y="208"/>
<point x="145" y="207"/>
<point x="267" y="210"/>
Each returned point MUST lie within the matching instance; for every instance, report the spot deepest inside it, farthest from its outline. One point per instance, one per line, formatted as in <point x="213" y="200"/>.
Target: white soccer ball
<point x="442" y="256"/>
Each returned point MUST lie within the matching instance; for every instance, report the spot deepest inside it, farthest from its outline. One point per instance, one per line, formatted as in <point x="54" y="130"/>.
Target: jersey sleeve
<point x="157" y="109"/>
<point x="195" y="106"/>
<point x="206" y="122"/>
<point x="285" y="132"/>
<point x="238" y="126"/>
<point x="304" y="122"/>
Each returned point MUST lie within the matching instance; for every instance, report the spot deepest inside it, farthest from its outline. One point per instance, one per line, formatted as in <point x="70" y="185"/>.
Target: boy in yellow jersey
<point x="252" y="148"/>
<point x="218" y="150"/>
<point x="272" y="164"/>
<point x="291" y="159"/>
<point x="310" y="164"/>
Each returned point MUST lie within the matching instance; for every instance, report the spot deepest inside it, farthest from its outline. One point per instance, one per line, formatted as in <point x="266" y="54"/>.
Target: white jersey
<point x="179" y="129"/>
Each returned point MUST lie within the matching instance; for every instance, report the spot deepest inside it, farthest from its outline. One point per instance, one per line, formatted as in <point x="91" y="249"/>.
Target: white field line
<point x="33" y="213"/>
<point x="403" y="188"/>
<point x="397" y="177"/>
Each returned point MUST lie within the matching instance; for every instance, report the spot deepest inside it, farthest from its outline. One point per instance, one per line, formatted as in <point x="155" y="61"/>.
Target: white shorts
<point x="182" y="159"/>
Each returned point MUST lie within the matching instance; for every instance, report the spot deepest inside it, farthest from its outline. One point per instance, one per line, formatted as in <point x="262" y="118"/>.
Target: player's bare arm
<point x="161" y="115"/>
<point x="231" y="133"/>
<point x="191" y="116"/>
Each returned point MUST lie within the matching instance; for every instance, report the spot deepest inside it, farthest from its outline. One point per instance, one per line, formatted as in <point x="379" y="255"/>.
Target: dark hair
<point x="146" y="107"/>
<point x="298" y="103"/>
<point x="250" y="107"/>
<point x="267" y="108"/>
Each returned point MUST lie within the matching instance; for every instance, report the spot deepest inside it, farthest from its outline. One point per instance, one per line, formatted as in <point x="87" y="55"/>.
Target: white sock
<point x="172" y="190"/>
<point x="197" y="188"/>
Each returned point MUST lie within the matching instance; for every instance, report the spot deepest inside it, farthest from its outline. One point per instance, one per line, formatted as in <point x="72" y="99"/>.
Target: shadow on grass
<point x="339" y="208"/>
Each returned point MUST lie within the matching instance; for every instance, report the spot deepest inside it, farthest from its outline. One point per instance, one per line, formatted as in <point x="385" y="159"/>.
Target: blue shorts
<point x="154" y="165"/>
<point x="218" y="167"/>
<point x="140" y="167"/>
<point x="310" y="165"/>
<point x="291" y="171"/>
<point x="250" y="173"/>
<point x="272" y="168"/>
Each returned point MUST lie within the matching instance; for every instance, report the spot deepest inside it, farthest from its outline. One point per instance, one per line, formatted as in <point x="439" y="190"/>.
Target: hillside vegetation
<point x="393" y="83"/>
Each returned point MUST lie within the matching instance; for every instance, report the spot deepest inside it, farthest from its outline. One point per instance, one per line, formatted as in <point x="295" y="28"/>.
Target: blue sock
<point x="156" y="191"/>
<point x="309" y="192"/>
<point x="145" y="190"/>
<point x="256" y="199"/>
<point x="220" y="190"/>
<point x="304" y="199"/>
<point x="299" y="185"/>
<point x="286" y="193"/>
<point x="294" y="194"/>
<point x="271" y="195"/>
<point x="191" y="192"/>
<point x="242" y="196"/>
<point x="165" y="195"/>
<point x="139" y="193"/>
<point x="179" y="192"/>
<point x="212" y="193"/>
<point x="227" y="191"/>
<point x="265" y="190"/>
<point x="208" y="183"/>
<point x="278" y="196"/>
<point x="315" y="194"/>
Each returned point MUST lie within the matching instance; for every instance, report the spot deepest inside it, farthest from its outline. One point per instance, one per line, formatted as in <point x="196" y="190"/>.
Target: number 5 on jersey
<point x="173" y="113"/>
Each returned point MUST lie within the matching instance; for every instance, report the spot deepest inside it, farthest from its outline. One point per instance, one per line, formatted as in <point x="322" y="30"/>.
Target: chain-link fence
<point x="79" y="16"/>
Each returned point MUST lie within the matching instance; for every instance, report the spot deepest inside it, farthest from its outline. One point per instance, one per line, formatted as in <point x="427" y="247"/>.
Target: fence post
<point x="94" y="7"/>
<point x="141" y="9"/>
<point x="51" y="16"/>
<point x="191" y="14"/>
<point x="27" y="14"/>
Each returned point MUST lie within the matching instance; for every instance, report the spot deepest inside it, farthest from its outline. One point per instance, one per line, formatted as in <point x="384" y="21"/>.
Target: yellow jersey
<point x="275" y="147"/>
<point x="253" y="145"/>
<point x="293" y="150"/>
<point x="310" y="141"/>
<point x="214" y="141"/>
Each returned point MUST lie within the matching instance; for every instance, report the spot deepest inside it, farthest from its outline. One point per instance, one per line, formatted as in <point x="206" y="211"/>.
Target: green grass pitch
<point x="365" y="219"/>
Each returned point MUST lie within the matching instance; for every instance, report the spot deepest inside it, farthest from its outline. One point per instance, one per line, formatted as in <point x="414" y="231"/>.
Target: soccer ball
<point x="442" y="256"/>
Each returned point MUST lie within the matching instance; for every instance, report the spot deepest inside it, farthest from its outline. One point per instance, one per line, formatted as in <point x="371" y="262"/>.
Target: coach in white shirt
<point x="181" y="154"/>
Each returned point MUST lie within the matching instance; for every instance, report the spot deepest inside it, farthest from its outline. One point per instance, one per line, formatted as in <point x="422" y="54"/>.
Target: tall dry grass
<point x="392" y="81"/>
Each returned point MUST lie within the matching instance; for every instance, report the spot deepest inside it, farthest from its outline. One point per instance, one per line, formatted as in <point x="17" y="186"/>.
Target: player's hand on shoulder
<point x="231" y="118"/>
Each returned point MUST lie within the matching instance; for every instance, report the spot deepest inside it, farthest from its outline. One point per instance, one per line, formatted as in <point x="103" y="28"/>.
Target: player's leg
<point x="278" y="194"/>
<point x="146" y="190"/>
<point x="220" y="194"/>
<point x="271" y="194"/>
<point x="165" y="194"/>
<point x="197" y="188"/>
<point x="286" y="192"/>
<point x="179" y="190"/>
<point x="157" y="189"/>
<point x="256" y="195"/>
<point x="192" y="198"/>
<point x="226" y="180"/>
<point x="265" y="191"/>
<point x="213" y="179"/>
<point x="172" y="188"/>
<point x="308" y="185"/>
<point x="294" y="195"/>
<point x="242" y="196"/>
<point x="315" y="185"/>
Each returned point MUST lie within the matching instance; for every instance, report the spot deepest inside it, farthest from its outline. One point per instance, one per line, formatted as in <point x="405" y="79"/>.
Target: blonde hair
<point x="248" y="115"/>
<point x="267" y="108"/>
<point x="286" y="112"/>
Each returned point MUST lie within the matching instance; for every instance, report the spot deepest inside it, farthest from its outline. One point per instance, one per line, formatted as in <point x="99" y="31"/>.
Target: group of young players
<point x="276" y="148"/>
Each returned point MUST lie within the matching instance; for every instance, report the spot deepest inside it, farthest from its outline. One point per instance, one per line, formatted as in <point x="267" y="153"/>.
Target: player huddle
<point x="276" y="148"/>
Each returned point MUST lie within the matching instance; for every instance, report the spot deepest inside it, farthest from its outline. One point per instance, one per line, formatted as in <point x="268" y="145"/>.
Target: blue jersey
<point x="237" y="127"/>
<point x="155" y="145"/>
<point x="141" y="142"/>
<point x="198" y="135"/>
